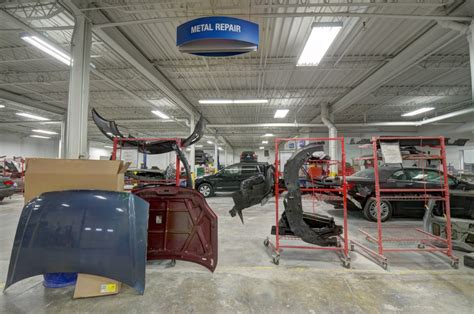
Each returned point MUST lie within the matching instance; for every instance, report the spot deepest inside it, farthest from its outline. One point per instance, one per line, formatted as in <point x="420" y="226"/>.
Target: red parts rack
<point x="343" y="242"/>
<point x="405" y="236"/>
<point x="118" y="143"/>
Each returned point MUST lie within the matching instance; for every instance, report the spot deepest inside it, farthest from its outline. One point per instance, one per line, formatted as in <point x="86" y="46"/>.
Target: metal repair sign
<point x="217" y="36"/>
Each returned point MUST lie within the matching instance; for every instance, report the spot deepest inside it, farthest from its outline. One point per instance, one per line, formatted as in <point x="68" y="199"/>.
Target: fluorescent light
<point x="48" y="48"/>
<point x="215" y="101"/>
<point x="40" y="136"/>
<point x="250" y="101"/>
<point x="281" y="113"/>
<point x="2" y="106"/>
<point x="261" y="147"/>
<point x="160" y="114"/>
<point x="108" y="146"/>
<point x="198" y="146"/>
<point x="232" y="101"/>
<point x="417" y="112"/>
<point x="31" y="116"/>
<point x="44" y="132"/>
<point x="264" y="142"/>
<point x="268" y="135"/>
<point x="220" y="148"/>
<point x="209" y="142"/>
<point x="321" y="37"/>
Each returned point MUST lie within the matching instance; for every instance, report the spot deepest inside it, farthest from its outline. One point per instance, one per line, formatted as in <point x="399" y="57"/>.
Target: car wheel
<point x="206" y="190"/>
<point x="370" y="210"/>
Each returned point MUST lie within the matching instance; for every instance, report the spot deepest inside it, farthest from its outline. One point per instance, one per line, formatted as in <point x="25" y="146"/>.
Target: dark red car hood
<point x="181" y="226"/>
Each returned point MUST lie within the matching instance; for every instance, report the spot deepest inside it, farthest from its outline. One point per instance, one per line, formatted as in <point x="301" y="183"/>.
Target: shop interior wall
<point x="19" y="145"/>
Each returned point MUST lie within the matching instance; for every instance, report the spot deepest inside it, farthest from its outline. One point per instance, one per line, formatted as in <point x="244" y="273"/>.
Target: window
<point x="399" y="175"/>
<point x="366" y="173"/>
<point x="250" y="169"/>
<point x="232" y="170"/>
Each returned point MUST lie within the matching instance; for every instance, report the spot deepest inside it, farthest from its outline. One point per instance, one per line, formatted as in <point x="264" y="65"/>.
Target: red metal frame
<point x="118" y="140"/>
<point x="277" y="247"/>
<point x="423" y="242"/>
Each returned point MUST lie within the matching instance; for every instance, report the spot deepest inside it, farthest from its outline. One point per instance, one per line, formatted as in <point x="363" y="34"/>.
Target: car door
<point x="249" y="170"/>
<point x="399" y="179"/>
<point x="229" y="178"/>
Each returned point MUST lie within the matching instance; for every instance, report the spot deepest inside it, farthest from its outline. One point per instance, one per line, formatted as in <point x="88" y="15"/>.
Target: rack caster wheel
<point x="346" y="263"/>
<point x="455" y="264"/>
<point x="266" y="242"/>
<point x="276" y="259"/>
<point x="421" y="246"/>
<point x="352" y="247"/>
<point x="385" y="265"/>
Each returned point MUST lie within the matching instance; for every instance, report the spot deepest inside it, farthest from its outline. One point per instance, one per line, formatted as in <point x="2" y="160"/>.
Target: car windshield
<point x="366" y="173"/>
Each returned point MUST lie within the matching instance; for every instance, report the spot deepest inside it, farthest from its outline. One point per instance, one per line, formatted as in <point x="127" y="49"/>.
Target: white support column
<point x="470" y="39"/>
<point x="62" y="139"/>
<point x="192" y="153"/>
<point x="225" y="156"/>
<point x="78" y="104"/>
<point x="216" y="152"/>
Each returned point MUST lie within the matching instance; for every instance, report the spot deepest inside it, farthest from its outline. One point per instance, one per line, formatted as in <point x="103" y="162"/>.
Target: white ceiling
<point x="366" y="44"/>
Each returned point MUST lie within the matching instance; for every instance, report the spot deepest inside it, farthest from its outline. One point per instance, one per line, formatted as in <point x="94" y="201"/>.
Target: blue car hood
<point x="94" y="232"/>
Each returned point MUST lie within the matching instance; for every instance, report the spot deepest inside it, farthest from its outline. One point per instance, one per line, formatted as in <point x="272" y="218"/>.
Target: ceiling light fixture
<point x="220" y="148"/>
<point x="198" y="146"/>
<point x="160" y="114"/>
<point x="417" y="112"/>
<point x="31" y="116"/>
<point x="321" y="37"/>
<point x="40" y="136"/>
<point x="47" y="48"/>
<point x="45" y="132"/>
<point x="281" y="113"/>
<point x="261" y="147"/>
<point x="268" y="135"/>
<point x="264" y="142"/>
<point x="2" y="106"/>
<point x="209" y="142"/>
<point x="232" y="101"/>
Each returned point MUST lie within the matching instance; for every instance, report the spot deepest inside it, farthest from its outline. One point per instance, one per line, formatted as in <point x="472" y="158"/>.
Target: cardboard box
<point x="47" y="175"/>
<point x="95" y="286"/>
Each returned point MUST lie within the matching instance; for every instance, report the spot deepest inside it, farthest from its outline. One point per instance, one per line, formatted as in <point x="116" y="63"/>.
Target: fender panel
<point x="323" y="235"/>
<point x="86" y="231"/>
<point x="181" y="226"/>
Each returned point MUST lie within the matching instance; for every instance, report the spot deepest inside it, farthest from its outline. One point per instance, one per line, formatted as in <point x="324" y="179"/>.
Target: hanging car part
<point x="111" y="131"/>
<point x="325" y="234"/>
<point x="93" y="232"/>
<point x="181" y="226"/>
<point x="254" y="190"/>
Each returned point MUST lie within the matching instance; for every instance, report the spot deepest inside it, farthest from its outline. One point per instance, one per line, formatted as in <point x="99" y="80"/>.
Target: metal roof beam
<point x="425" y="45"/>
<point x="22" y="100"/>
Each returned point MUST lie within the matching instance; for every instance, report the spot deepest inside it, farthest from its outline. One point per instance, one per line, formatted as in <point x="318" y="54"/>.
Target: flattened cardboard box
<point x="46" y="175"/>
<point x="94" y="286"/>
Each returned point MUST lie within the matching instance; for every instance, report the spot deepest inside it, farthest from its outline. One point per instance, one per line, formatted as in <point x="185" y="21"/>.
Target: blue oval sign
<point x="217" y="36"/>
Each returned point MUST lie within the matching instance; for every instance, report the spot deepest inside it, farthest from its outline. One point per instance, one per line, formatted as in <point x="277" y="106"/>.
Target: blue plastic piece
<point x="59" y="280"/>
<point x="95" y="232"/>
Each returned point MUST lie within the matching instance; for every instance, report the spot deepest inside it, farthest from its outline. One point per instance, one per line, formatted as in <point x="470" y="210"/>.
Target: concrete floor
<point x="246" y="280"/>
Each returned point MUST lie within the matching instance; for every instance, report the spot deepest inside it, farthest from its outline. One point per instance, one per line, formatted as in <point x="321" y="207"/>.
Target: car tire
<point x="370" y="210"/>
<point x="206" y="189"/>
